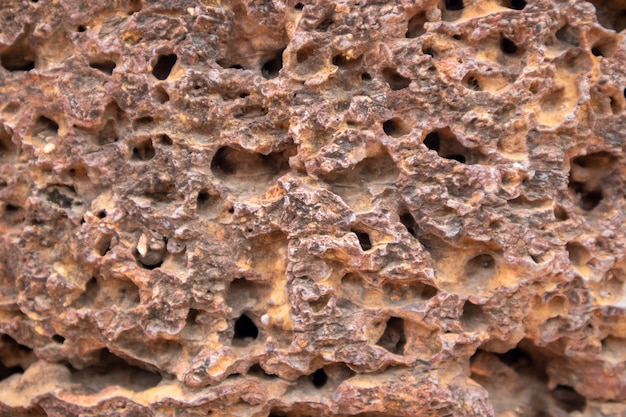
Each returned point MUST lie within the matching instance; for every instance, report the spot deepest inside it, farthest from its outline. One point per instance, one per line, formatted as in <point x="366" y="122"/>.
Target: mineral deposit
<point x="261" y="208"/>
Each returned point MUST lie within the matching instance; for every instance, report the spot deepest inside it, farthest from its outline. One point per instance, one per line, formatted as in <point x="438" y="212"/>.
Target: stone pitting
<point x="280" y="208"/>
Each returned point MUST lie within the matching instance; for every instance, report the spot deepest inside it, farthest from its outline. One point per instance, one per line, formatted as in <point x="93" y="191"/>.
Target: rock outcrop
<point x="277" y="208"/>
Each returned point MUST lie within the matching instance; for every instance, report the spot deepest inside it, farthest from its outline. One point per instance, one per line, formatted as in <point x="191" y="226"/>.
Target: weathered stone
<point x="280" y="208"/>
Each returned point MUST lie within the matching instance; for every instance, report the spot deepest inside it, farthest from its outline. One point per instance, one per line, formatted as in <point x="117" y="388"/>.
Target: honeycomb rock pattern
<point x="318" y="208"/>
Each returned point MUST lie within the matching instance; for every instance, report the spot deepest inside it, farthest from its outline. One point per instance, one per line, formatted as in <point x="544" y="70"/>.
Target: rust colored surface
<point x="279" y="208"/>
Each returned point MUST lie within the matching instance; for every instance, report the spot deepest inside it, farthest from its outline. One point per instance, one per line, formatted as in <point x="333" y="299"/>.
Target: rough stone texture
<point x="280" y="208"/>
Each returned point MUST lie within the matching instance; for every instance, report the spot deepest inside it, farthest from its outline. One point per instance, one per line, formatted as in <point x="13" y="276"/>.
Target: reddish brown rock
<point x="280" y="208"/>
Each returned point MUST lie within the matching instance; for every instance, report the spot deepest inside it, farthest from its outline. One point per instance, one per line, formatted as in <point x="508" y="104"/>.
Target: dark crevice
<point x="14" y="357"/>
<point x="611" y="14"/>
<point x="508" y="46"/>
<point x="203" y="201"/>
<point x="514" y="4"/>
<point x="395" y="80"/>
<point x="45" y="127"/>
<point x="454" y="4"/>
<point x="471" y="82"/>
<point x="568" y="399"/>
<point x="589" y="175"/>
<point x="245" y="329"/>
<point x="103" y="244"/>
<point x="113" y="370"/>
<point x="164" y="65"/>
<point x="364" y="239"/>
<point x="415" y="27"/>
<point x="473" y="316"/>
<point x="447" y="146"/>
<point x="106" y="66"/>
<point x="432" y="141"/>
<point x="393" y="338"/>
<point x="409" y="222"/>
<point x="272" y="67"/>
<point x="18" y="57"/>
<point x="568" y="34"/>
<point x="319" y="378"/>
<point x="242" y="165"/>
<point x="143" y="151"/>
<point x="395" y="128"/>
<point x="161" y="95"/>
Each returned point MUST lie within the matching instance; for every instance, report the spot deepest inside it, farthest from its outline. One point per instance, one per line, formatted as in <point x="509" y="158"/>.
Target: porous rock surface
<point x="278" y="208"/>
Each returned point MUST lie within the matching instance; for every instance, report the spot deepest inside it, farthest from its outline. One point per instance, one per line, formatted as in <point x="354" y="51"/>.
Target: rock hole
<point x="447" y="146"/>
<point x="143" y="120"/>
<point x="299" y="6"/>
<point x="480" y="270"/>
<point x="568" y="399"/>
<point x="454" y="4"/>
<point x="164" y="65"/>
<point x="393" y="338"/>
<point x="457" y="157"/>
<point x="569" y="35"/>
<point x="319" y="304"/>
<point x="616" y="107"/>
<point x="103" y="244"/>
<point x="243" y="294"/>
<point x="473" y="316"/>
<point x="108" y="134"/>
<point x="57" y="338"/>
<point x="192" y="317"/>
<point x="143" y="151"/>
<point x="342" y="60"/>
<point x="560" y="213"/>
<point x="304" y="53"/>
<point x="7" y="147"/>
<point x="578" y="254"/>
<point x="62" y="196"/>
<point x="258" y="371"/>
<point x="409" y="222"/>
<point x="203" y="201"/>
<point x="395" y="127"/>
<point x="100" y="293"/>
<point x="245" y="330"/>
<point x="516" y="359"/>
<point x="319" y="378"/>
<point x="395" y="80"/>
<point x="324" y="25"/>
<point x="272" y="67"/>
<point x="81" y="28"/>
<point x="508" y="46"/>
<point x="364" y="239"/>
<point x="242" y="165"/>
<point x="415" y="27"/>
<point x="367" y="77"/>
<point x="611" y="14"/>
<point x="101" y="214"/>
<point x="597" y="51"/>
<point x="14" y="357"/>
<point x="429" y="50"/>
<point x="398" y="292"/>
<point x="109" y="369"/>
<point x="44" y="127"/>
<point x="433" y="141"/>
<point x="18" y="57"/>
<point x="161" y="95"/>
<point x="470" y="81"/>
<point x="514" y="4"/>
<point x="165" y="140"/>
<point x="106" y="67"/>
